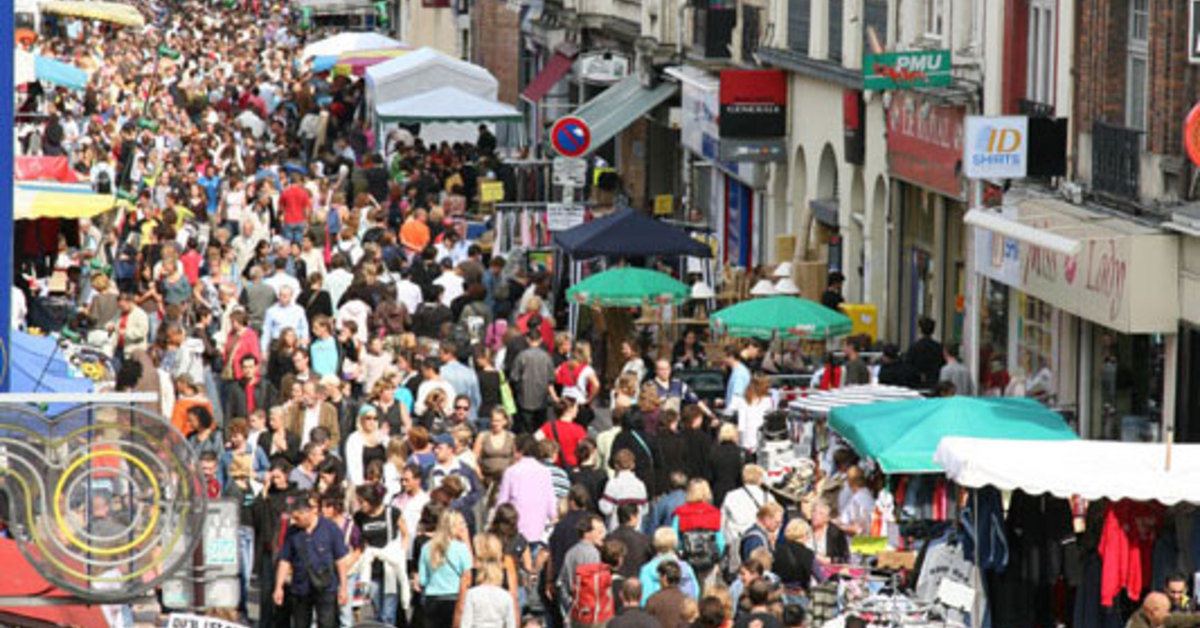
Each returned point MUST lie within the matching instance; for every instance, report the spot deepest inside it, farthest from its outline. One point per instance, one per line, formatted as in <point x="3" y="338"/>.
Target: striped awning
<point x="822" y="402"/>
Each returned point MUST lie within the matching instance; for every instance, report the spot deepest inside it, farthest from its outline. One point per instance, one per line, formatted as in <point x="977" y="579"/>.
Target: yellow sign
<point x="664" y="205"/>
<point x="491" y="192"/>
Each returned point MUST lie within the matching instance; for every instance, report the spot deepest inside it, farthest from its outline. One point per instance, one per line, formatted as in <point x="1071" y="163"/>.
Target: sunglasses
<point x="463" y="408"/>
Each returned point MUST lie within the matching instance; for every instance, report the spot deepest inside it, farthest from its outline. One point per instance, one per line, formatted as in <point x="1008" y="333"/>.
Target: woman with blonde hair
<point x="752" y="410"/>
<point x="488" y="593"/>
<point x="444" y="560"/>
<point x="725" y="462"/>
<point x="794" y="560"/>
<point x="698" y="523"/>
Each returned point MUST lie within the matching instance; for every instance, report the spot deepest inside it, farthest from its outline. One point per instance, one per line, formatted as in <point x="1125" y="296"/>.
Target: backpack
<point x="593" y="602"/>
<point x="699" y="549"/>
<point x="753" y="532"/>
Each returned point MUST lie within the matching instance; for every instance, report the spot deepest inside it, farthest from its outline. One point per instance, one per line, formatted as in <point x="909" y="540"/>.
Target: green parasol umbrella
<point x="629" y="287"/>
<point x="782" y="317"/>
<point x="903" y="435"/>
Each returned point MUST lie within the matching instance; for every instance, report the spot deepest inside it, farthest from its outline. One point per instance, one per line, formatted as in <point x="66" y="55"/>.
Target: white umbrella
<point x="251" y="122"/>
<point x="349" y="42"/>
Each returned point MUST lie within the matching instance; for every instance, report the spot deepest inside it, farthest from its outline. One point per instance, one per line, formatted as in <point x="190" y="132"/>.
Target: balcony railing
<point x="1116" y="155"/>
<point x="1035" y="109"/>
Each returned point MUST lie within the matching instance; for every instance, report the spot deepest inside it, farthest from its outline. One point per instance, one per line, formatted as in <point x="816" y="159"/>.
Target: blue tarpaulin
<point x="628" y="233"/>
<point x="37" y="366"/>
<point x="59" y="73"/>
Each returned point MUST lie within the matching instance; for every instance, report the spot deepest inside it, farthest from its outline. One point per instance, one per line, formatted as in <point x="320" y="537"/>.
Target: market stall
<point x="624" y="234"/>
<point x="1111" y="520"/>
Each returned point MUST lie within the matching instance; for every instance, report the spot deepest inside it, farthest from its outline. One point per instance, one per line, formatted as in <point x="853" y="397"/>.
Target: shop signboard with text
<point x="1122" y="278"/>
<point x="753" y="104"/>
<point x="925" y="144"/>
<point x="906" y="70"/>
<point x="699" y="133"/>
<point x="996" y="147"/>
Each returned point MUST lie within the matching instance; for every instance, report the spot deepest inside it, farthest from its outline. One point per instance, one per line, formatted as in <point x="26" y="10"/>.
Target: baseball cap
<point x="574" y="394"/>
<point x="443" y="439"/>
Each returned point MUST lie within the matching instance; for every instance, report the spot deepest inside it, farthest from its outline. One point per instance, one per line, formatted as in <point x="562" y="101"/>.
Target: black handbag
<point x="319" y="580"/>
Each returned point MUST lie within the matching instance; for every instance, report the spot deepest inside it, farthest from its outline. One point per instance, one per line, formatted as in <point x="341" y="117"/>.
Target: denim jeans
<point x="346" y="611"/>
<point x="385" y="604"/>
<point x="294" y="233"/>
<point x="245" y="545"/>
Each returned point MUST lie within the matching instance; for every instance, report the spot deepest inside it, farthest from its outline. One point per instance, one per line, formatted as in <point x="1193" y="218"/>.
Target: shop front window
<point x="994" y="377"/>
<point x="1037" y="348"/>
<point x="1127" y="390"/>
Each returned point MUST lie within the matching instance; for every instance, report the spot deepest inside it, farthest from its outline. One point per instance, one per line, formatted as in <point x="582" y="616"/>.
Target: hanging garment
<point x="1125" y="544"/>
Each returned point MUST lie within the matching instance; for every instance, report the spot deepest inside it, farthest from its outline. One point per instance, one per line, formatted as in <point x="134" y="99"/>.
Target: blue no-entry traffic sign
<point x="571" y="137"/>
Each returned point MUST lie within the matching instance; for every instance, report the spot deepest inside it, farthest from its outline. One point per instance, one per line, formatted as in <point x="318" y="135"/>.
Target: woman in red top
<point x="577" y="374"/>
<point x="563" y="430"/>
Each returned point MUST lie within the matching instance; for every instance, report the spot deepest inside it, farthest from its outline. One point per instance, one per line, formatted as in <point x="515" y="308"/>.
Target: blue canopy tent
<point x="626" y="233"/>
<point x="37" y="366"/>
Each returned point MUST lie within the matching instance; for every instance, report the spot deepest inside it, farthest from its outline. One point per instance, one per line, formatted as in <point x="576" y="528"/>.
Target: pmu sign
<point x="906" y="70"/>
<point x="996" y="147"/>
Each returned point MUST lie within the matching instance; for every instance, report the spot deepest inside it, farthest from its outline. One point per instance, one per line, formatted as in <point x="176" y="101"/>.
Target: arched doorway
<point x="826" y="207"/>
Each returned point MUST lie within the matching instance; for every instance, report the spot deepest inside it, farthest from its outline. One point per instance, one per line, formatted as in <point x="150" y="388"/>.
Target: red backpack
<point x="593" y="594"/>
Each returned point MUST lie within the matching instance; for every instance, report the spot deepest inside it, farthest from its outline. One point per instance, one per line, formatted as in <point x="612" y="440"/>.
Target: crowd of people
<point x="410" y="436"/>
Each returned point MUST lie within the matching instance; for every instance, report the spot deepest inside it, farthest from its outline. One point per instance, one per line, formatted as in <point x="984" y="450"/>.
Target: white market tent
<point x="822" y="402"/>
<point x="446" y="104"/>
<point x="1088" y="468"/>
<point x="424" y="70"/>
<point x="349" y="42"/>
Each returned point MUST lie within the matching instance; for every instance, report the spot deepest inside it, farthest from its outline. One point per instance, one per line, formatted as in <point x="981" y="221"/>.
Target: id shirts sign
<point x="996" y="147"/>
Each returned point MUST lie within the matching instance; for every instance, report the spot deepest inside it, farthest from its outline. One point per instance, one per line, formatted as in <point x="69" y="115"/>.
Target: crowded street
<point x="542" y="314"/>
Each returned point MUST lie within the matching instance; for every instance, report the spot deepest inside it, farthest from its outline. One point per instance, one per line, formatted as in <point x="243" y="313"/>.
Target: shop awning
<point x="114" y="12"/>
<point x="822" y="402"/>
<point x="50" y="200"/>
<point x="1088" y="468"/>
<point x="1124" y="275"/>
<point x="555" y="69"/>
<point x="619" y="106"/>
